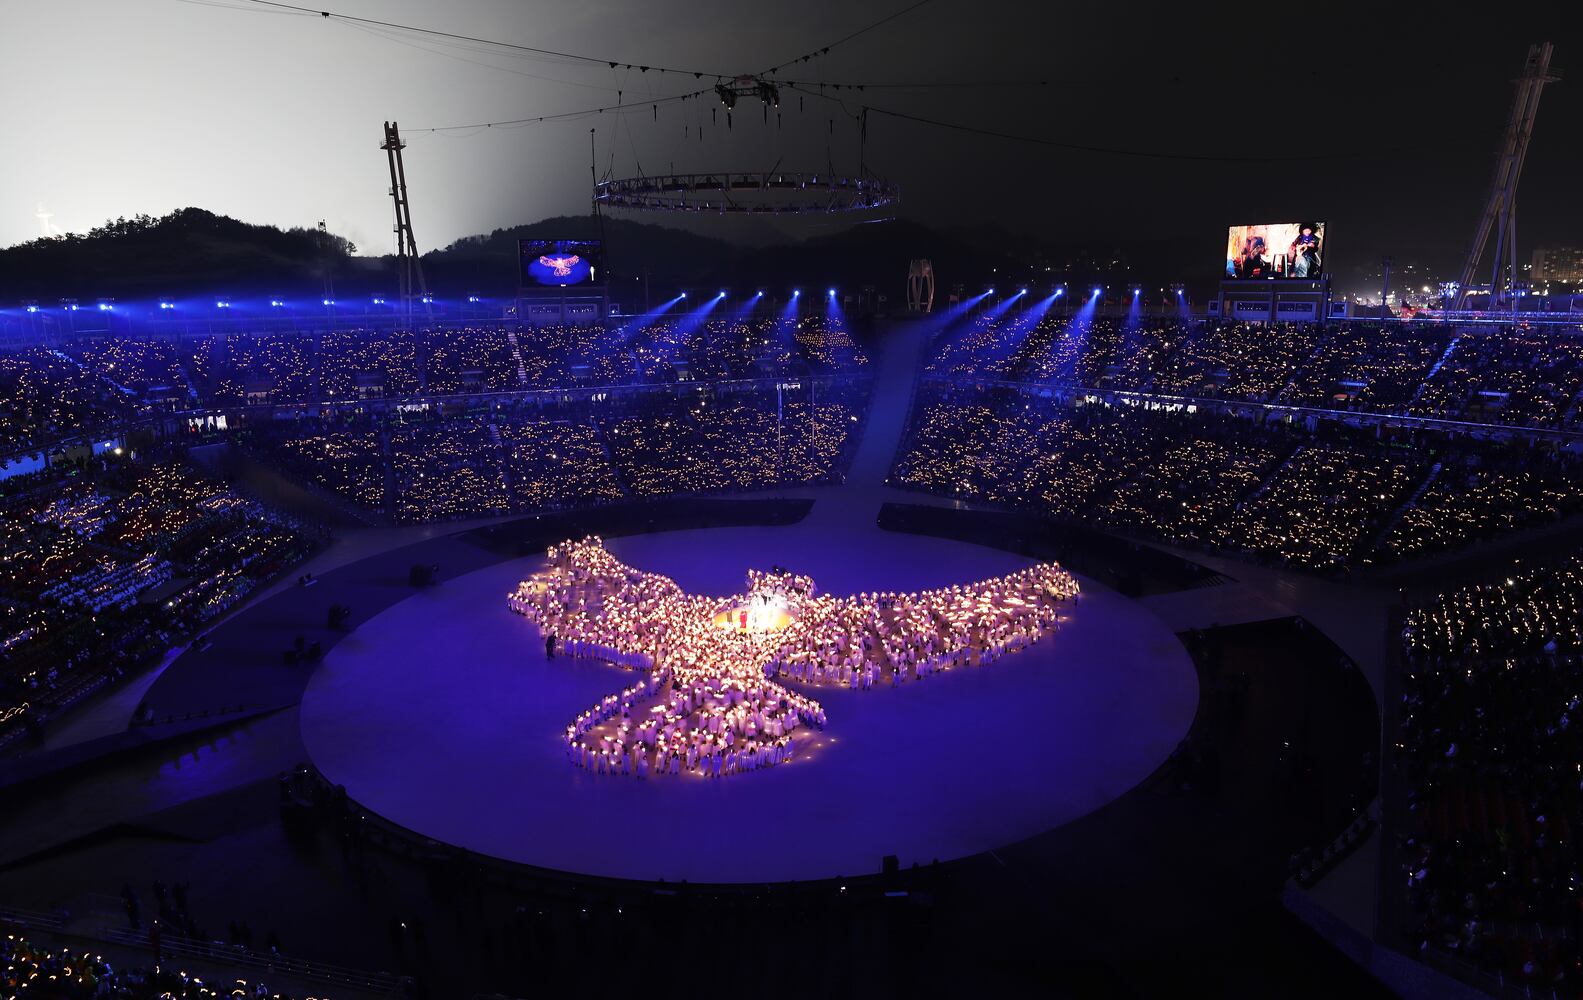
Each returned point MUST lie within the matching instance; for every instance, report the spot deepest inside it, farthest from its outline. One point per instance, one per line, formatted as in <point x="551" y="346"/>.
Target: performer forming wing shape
<point x="710" y="699"/>
<point x="562" y="266"/>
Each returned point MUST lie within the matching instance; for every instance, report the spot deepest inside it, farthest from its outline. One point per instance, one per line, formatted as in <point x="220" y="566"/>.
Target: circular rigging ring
<point x="777" y="193"/>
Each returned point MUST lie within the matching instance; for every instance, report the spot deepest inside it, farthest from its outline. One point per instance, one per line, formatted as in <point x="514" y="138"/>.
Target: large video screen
<point x="561" y="262"/>
<point x="1277" y="250"/>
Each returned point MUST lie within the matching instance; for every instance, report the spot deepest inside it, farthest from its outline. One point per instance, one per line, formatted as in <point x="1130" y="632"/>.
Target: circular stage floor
<point x="442" y="714"/>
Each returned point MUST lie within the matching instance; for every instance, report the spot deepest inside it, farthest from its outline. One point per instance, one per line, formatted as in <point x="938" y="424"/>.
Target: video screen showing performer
<point x="1305" y="251"/>
<point x="1276" y="250"/>
<point x="561" y="262"/>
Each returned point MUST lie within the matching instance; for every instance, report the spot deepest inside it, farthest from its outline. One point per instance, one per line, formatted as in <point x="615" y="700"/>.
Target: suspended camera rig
<point x="778" y="193"/>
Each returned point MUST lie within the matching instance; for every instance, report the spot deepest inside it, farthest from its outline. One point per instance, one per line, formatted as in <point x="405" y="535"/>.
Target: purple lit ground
<point x="442" y="715"/>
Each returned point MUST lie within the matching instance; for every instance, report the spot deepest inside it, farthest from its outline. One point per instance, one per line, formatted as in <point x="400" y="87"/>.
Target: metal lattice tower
<point x="1500" y="209"/>
<point x="408" y="264"/>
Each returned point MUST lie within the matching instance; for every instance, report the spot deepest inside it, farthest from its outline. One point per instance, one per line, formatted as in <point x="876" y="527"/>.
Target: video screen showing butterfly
<point x="561" y="262"/>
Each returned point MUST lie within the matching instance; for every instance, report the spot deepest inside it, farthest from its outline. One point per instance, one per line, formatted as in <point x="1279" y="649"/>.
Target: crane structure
<point x="408" y="264"/>
<point x="1500" y="207"/>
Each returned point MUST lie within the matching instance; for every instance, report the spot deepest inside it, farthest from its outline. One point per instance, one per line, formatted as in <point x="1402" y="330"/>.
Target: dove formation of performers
<point x="710" y="701"/>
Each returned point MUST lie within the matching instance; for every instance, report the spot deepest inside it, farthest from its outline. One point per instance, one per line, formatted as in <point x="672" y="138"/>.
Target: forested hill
<point x="196" y="252"/>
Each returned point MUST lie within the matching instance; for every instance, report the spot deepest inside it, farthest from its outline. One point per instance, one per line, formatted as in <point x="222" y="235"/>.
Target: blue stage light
<point x="684" y="295"/>
<point x="32" y="309"/>
<point x="721" y="295"/>
<point x="832" y="293"/>
<point x="759" y="295"/>
<point x="1060" y="292"/>
<point x="1022" y="291"/>
<point x="472" y="298"/>
<point x="274" y="303"/>
<point x="329" y="302"/>
<point x="377" y="301"/>
<point x="222" y="304"/>
<point x="105" y="307"/>
<point x="167" y="305"/>
<point x="1097" y="291"/>
<point x="796" y="292"/>
<point x="1136" y="291"/>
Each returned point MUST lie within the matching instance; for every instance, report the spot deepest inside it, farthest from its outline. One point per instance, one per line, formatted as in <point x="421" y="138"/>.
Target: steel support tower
<point x="408" y="264"/>
<point x="1500" y="208"/>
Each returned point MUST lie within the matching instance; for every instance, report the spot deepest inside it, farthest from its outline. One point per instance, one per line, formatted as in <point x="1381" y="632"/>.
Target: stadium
<point x="621" y="601"/>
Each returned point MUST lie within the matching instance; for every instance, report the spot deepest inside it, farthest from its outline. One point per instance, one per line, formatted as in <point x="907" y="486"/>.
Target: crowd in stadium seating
<point x="556" y="463"/>
<point x="346" y="458"/>
<point x="1362" y="366"/>
<point x="1511" y="374"/>
<point x="533" y="455"/>
<point x="447" y="470"/>
<point x="1502" y="374"/>
<point x="138" y="364"/>
<point x="1479" y="493"/>
<point x="1327" y="498"/>
<point x="1237" y="360"/>
<point x="94" y="381"/>
<point x="669" y="351"/>
<point x="1527" y="377"/>
<point x="32" y="969"/>
<point x="106" y="565"/>
<point x="46" y="395"/>
<point x="243" y="368"/>
<point x="1490" y="746"/>
<point x="360" y="363"/>
<point x="701" y="444"/>
<point x="354" y="363"/>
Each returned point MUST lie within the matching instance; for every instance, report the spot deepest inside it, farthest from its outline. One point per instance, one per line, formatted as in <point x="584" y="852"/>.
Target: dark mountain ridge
<point x="193" y="252"/>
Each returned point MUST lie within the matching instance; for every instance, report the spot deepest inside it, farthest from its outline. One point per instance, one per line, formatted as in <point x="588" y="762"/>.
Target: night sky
<point x="118" y="107"/>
